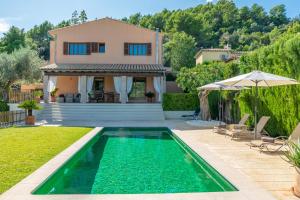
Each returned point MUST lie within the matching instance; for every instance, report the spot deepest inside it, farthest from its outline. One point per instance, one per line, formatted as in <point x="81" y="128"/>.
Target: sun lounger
<point x="275" y="144"/>
<point x="193" y="116"/>
<point x="243" y="132"/>
<point x="223" y="128"/>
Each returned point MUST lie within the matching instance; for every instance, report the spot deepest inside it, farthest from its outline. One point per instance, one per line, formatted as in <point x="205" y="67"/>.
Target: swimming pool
<point x="134" y="161"/>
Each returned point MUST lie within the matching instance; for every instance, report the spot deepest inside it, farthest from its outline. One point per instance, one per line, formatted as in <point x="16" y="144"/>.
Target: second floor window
<point x="78" y="49"/>
<point x="137" y="49"/>
<point x="72" y="48"/>
<point x="101" y="48"/>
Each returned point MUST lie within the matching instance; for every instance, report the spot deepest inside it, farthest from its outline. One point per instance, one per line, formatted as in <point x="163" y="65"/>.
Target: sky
<point x="27" y="13"/>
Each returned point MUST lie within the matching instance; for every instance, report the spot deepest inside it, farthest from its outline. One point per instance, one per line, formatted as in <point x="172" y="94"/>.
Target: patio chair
<point x="275" y="144"/>
<point x="99" y="96"/>
<point x="244" y="132"/>
<point x="91" y="97"/>
<point x="193" y="116"/>
<point x="223" y="128"/>
<point x="77" y="98"/>
<point x="69" y="98"/>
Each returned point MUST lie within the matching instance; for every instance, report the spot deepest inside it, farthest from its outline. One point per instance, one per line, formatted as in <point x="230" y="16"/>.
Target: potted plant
<point x="37" y="95"/>
<point x="61" y="98"/>
<point x="29" y="106"/>
<point x="293" y="157"/>
<point x="53" y="95"/>
<point x="149" y="96"/>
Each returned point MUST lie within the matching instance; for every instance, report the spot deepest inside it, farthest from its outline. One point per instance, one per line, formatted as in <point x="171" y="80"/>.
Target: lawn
<point x="25" y="149"/>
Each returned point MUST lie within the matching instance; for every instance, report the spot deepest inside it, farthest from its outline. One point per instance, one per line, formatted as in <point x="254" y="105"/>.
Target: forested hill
<point x="213" y="25"/>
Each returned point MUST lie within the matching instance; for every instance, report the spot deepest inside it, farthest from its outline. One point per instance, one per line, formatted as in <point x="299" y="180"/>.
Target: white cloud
<point x="4" y="25"/>
<point x="209" y="1"/>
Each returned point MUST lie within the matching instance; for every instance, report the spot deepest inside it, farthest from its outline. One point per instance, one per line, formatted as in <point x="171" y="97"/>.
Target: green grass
<point x="25" y="149"/>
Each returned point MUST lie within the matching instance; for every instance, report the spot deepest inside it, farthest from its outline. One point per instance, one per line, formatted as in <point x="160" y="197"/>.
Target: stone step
<point x="101" y="112"/>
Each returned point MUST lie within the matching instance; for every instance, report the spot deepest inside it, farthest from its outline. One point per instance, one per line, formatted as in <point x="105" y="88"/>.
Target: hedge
<point x="282" y="103"/>
<point x="180" y="101"/>
<point x="3" y="106"/>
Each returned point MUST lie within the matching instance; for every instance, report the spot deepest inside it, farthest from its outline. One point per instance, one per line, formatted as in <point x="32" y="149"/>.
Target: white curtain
<point x="52" y="83"/>
<point x="129" y="82"/>
<point x="89" y="84"/>
<point x="157" y="86"/>
<point x="118" y="84"/>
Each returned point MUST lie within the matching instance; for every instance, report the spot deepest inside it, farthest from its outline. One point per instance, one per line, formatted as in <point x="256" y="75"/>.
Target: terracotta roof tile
<point x="104" y="68"/>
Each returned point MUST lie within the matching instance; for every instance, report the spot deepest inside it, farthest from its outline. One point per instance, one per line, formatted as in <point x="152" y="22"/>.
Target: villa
<point x="105" y="61"/>
<point x="217" y="54"/>
<point x="107" y="118"/>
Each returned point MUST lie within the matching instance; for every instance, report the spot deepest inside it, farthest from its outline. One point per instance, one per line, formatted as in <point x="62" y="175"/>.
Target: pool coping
<point x="247" y="189"/>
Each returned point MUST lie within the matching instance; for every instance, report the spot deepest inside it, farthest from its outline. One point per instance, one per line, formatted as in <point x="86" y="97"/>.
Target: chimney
<point x="157" y="46"/>
<point x="227" y="47"/>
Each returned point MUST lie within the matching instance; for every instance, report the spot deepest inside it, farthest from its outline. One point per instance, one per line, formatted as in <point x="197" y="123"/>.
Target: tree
<point x="41" y="39"/>
<point x="12" y="40"/>
<point x="135" y="19"/>
<point x="182" y="49"/>
<point x="215" y="24"/>
<point x="21" y="65"/>
<point x="83" y="17"/>
<point x="278" y="15"/>
<point x="74" y="19"/>
<point x="190" y="79"/>
<point x="63" y="23"/>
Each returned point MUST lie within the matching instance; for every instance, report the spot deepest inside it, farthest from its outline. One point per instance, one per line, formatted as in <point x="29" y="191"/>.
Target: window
<point x="83" y="48"/>
<point x="78" y="49"/>
<point x="101" y="47"/>
<point x="137" y="49"/>
<point x="224" y="57"/>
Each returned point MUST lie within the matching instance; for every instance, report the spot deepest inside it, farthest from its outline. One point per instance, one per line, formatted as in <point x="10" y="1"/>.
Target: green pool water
<point x="134" y="161"/>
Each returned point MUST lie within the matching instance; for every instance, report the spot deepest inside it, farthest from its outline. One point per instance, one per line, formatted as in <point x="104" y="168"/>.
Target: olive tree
<point x="21" y="65"/>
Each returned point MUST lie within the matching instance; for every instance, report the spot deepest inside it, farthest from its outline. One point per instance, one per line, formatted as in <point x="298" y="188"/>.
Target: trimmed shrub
<point x="180" y="101"/>
<point x="3" y="106"/>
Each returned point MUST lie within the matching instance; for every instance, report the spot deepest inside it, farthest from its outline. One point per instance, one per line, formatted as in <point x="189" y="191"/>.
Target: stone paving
<point x="269" y="171"/>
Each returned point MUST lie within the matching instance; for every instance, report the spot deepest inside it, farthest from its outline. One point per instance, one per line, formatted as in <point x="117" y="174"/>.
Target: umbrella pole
<point x="255" y="110"/>
<point x="220" y="107"/>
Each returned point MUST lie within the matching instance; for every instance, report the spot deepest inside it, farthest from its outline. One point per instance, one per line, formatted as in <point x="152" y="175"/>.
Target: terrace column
<point x="45" y="88"/>
<point x="123" y="90"/>
<point x="82" y="88"/>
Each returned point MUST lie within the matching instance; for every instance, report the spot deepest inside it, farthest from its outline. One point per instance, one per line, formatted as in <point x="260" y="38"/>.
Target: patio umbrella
<point x="219" y="87"/>
<point x="258" y="79"/>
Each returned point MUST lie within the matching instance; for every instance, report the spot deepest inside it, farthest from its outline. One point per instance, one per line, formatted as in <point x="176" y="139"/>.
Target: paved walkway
<point x="269" y="171"/>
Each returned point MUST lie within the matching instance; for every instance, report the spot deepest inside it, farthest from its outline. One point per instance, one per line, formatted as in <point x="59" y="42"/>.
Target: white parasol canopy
<point x="258" y="79"/>
<point x="218" y="86"/>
